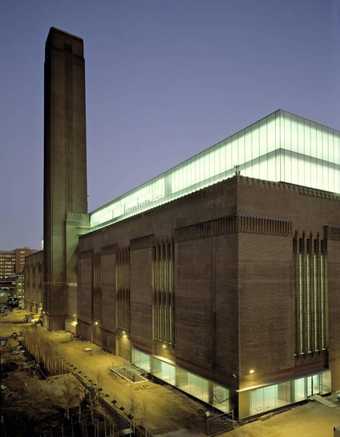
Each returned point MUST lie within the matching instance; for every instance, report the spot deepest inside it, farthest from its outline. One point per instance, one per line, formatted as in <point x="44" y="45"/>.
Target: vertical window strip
<point x="297" y="299"/>
<point x="308" y="305"/>
<point x="325" y="301"/>
<point x="167" y="292"/>
<point x="311" y="295"/>
<point x="157" y="265"/>
<point x="117" y="289"/>
<point x="122" y="280"/>
<point x="322" y="302"/>
<point x="315" y="302"/>
<point x="319" y="297"/>
<point x="172" y="289"/>
<point x="159" y="295"/>
<point x="154" y="294"/>
<point x="162" y="291"/>
<point x="301" y="318"/>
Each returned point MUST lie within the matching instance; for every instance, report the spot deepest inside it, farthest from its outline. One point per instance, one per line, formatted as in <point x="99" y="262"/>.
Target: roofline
<point x="210" y="148"/>
<point x="56" y="30"/>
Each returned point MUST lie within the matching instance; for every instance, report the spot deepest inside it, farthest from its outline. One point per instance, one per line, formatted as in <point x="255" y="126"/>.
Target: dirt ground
<point x="29" y="402"/>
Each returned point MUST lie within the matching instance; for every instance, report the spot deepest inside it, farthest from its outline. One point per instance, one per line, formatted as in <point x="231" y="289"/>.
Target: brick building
<point x="13" y="261"/>
<point x="220" y="276"/>
<point x="7" y="263"/>
<point x="12" y="264"/>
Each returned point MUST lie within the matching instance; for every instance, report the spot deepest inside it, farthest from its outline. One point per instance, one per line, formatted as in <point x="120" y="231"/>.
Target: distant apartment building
<point x="13" y="261"/>
<point x="12" y="264"/>
<point x="7" y="263"/>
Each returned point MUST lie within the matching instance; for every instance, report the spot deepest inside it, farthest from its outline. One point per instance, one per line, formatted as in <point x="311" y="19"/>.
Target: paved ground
<point x="309" y="420"/>
<point x="164" y="410"/>
<point x="160" y="408"/>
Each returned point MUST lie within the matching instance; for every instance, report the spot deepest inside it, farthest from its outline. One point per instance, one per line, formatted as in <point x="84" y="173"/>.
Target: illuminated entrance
<point x="259" y="400"/>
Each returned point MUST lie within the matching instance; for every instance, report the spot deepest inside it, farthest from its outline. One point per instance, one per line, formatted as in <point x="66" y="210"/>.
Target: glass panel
<point x="203" y="389"/>
<point x="220" y="397"/>
<point x="299" y="390"/>
<point x="316" y="384"/>
<point x="256" y="402"/>
<point x="309" y="386"/>
<point x="303" y="152"/>
<point x="279" y="395"/>
<point x="163" y="371"/>
<point x="263" y="399"/>
<point x="270" y="395"/>
<point x="141" y="359"/>
<point x="325" y="382"/>
<point x="197" y="387"/>
<point x="284" y="393"/>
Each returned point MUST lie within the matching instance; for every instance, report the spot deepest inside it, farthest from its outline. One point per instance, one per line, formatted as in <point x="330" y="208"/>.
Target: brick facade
<point x="234" y="280"/>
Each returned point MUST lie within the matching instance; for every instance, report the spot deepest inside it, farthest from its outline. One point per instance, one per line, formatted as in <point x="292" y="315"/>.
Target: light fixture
<point x="251" y="371"/>
<point x="164" y="346"/>
<point x="96" y="323"/>
<point x="74" y="323"/>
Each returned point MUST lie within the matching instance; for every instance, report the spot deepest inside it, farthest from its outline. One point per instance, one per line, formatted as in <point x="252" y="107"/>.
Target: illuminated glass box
<point x="280" y="147"/>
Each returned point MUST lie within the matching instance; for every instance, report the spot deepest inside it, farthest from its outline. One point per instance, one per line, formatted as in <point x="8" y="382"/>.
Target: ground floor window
<point x="164" y="371"/>
<point x="195" y="385"/>
<point x="299" y="389"/>
<point x="220" y="398"/>
<point x="325" y="382"/>
<point x="141" y="360"/>
<point x="274" y="396"/>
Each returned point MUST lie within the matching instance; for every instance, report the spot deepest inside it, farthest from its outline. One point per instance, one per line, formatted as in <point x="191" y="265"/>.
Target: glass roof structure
<point x="279" y="147"/>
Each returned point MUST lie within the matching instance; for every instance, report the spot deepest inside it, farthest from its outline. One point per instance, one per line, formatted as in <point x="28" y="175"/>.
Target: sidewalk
<point x="159" y="408"/>
<point x="309" y="420"/>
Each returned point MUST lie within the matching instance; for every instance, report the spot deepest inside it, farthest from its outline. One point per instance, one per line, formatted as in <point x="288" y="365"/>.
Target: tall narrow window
<point x="123" y="289"/>
<point x="163" y="291"/>
<point x="310" y="294"/>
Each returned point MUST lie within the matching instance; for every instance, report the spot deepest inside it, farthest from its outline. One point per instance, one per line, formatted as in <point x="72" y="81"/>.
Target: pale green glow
<point x="295" y="390"/>
<point x="197" y="386"/>
<point x="279" y="147"/>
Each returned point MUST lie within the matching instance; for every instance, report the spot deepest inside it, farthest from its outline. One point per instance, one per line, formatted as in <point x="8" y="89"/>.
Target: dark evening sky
<point x="165" y="79"/>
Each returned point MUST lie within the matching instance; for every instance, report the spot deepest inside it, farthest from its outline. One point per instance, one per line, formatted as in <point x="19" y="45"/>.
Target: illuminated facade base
<point x="188" y="382"/>
<point x="260" y="400"/>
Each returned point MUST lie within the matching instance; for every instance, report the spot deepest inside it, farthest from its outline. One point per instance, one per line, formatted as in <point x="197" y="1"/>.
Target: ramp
<point x="323" y="401"/>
